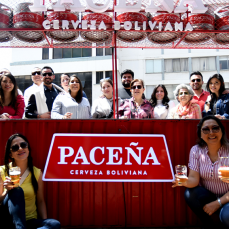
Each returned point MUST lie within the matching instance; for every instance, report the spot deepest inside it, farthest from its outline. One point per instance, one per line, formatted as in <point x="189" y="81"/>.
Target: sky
<point x="5" y="57"/>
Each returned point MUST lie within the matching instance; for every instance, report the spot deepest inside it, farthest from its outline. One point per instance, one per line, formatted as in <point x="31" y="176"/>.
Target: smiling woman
<point x="11" y="104"/>
<point x="217" y="103"/>
<point x="207" y="193"/>
<point x="136" y="107"/>
<point x="186" y="109"/>
<point x="71" y="105"/>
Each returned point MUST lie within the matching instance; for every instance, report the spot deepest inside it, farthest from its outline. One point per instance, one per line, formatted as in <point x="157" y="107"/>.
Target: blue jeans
<point x="197" y="197"/>
<point x="12" y="213"/>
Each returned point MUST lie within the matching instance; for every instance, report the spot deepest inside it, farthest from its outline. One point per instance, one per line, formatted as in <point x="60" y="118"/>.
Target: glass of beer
<point x="224" y="169"/>
<point x="181" y="173"/>
<point x="15" y="173"/>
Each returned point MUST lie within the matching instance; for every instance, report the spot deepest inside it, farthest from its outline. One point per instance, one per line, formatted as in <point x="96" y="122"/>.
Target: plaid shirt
<point x="141" y="112"/>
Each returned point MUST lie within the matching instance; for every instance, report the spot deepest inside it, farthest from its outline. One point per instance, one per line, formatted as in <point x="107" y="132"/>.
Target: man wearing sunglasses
<point x="126" y="76"/>
<point x="37" y="81"/>
<point x="196" y="82"/>
<point x="40" y="103"/>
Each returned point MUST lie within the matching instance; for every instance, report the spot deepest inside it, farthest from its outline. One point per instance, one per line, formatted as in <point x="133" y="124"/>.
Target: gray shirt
<point x="65" y="103"/>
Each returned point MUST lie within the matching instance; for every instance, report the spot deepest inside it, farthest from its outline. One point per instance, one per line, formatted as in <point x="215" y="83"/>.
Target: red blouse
<point x="18" y="111"/>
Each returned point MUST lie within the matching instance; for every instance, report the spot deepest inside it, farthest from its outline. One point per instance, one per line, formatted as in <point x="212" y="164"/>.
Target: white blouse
<point x="160" y="111"/>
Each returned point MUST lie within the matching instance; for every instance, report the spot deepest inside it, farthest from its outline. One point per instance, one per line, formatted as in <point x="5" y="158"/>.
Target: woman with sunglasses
<point x="161" y="103"/>
<point x="206" y="193"/>
<point x="71" y="105"/>
<point x="136" y="107"/>
<point x="217" y="102"/>
<point x="103" y="106"/>
<point x="21" y="206"/>
<point x="186" y="109"/>
<point x="11" y="103"/>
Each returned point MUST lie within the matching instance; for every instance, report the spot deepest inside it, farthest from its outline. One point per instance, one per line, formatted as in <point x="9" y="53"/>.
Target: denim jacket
<point x="222" y="107"/>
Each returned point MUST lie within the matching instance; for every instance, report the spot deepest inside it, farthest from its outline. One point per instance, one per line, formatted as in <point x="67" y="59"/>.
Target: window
<point x="99" y="52"/>
<point x="108" y="74"/>
<point x="45" y="54"/>
<point x="99" y="76"/>
<point x="59" y="53"/>
<point x="203" y="64"/>
<point x="223" y="62"/>
<point x="153" y="66"/>
<point x="108" y="51"/>
<point x="176" y="65"/>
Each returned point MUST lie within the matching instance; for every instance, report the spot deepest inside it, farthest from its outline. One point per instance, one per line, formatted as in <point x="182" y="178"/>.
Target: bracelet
<point x="219" y="202"/>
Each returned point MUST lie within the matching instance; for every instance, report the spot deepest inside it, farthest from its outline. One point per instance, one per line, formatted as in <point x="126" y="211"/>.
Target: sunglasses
<point x="214" y="129"/>
<point x="136" y="87"/>
<point x="184" y="93"/>
<point x="197" y="80"/>
<point x="104" y="79"/>
<point x="37" y="72"/>
<point x="16" y="147"/>
<point x="47" y="73"/>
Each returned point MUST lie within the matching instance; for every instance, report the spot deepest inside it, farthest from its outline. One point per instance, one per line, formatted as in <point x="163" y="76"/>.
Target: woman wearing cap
<point x="103" y="106"/>
<point x="186" y="109"/>
<point x="136" y="107"/>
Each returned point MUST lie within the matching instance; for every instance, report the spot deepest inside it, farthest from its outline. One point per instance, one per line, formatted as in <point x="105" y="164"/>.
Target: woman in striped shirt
<point x="206" y="193"/>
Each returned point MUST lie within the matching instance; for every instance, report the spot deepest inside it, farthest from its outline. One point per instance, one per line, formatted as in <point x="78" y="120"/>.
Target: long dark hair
<point x="224" y="141"/>
<point x="14" y="92"/>
<point x="8" y="158"/>
<point x="79" y="95"/>
<point x="221" y="90"/>
<point x="165" y="100"/>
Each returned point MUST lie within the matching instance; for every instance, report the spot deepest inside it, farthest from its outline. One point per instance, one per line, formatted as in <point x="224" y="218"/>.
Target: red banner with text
<point x="108" y="157"/>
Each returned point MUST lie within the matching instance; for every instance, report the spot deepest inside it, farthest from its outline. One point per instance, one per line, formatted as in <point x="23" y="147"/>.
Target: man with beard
<point x="196" y="82"/>
<point x="40" y="103"/>
<point x="127" y="76"/>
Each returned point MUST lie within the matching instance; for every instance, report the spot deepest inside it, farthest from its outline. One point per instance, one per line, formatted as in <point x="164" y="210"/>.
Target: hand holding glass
<point x="15" y="173"/>
<point x="224" y="169"/>
<point x="181" y="173"/>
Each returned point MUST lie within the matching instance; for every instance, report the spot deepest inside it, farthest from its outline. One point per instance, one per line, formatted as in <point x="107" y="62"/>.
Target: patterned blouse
<point x="128" y="109"/>
<point x="200" y="162"/>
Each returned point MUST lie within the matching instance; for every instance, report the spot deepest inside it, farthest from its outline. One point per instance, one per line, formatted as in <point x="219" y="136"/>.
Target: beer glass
<point x="15" y="173"/>
<point x="224" y="169"/>
<point x="181" y="173"/>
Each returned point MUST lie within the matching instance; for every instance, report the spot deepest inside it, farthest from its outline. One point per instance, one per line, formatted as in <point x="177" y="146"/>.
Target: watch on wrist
<point x="219" y="202"/>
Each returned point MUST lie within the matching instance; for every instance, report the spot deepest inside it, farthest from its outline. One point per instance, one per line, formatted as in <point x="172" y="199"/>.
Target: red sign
<point x="108" y="157"/>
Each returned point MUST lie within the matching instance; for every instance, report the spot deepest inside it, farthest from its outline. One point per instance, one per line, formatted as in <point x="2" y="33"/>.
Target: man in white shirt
<point x="37" y="81"/>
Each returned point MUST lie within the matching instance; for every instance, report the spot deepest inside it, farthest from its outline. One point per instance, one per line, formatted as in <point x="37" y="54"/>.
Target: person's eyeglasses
<point x="197" y="80"/>
<point x="47" y="73"/>
<point x="214" y="129"/>
<point x="184" y="93"/>
<point x="136" y="87"/>
<point x="37" y="72"/>
<point x="16" y="147"/>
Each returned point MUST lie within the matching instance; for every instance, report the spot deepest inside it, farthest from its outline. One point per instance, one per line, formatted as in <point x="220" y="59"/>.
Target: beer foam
<point x="14" y="173"/>
<point x="224" y="169"/>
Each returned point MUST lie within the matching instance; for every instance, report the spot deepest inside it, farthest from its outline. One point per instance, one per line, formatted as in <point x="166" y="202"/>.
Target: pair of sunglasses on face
<point x="47" y="73"/>
<point x="37" y="72"/>
<point x="197" y="80"/>
<point x="214" y="129"/>
<point x="16" y="147"/>
<point x="137" y="87"/>
<point x="184" y="93"/>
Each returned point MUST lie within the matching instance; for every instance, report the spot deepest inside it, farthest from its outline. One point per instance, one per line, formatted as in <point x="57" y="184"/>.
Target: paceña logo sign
<point x="110" y="157"/>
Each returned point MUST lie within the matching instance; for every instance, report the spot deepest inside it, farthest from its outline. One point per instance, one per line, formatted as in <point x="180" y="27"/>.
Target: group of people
<point x="45" y="100"/>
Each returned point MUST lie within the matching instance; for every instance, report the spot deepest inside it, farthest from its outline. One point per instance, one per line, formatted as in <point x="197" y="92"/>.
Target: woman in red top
<point x="11" y="104"/>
